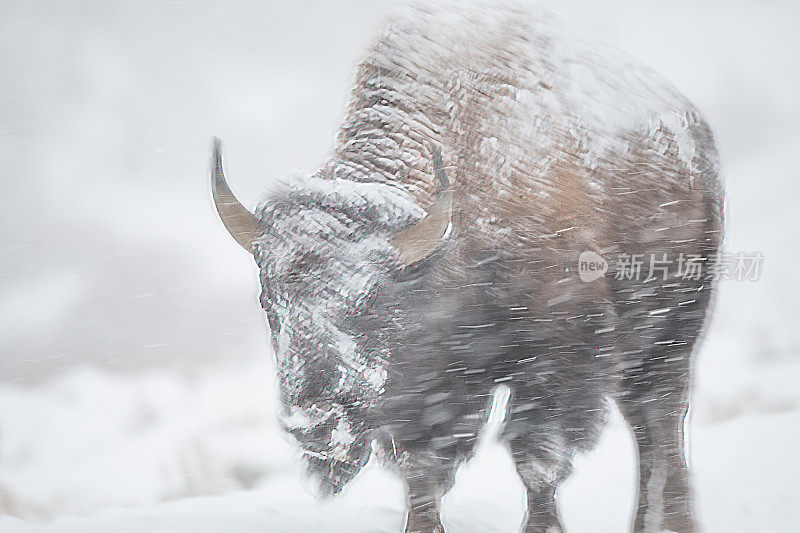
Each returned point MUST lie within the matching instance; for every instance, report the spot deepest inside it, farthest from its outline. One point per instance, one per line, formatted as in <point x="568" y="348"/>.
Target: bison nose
<point x="309" y="421"/>
<point x="317" y="410"/>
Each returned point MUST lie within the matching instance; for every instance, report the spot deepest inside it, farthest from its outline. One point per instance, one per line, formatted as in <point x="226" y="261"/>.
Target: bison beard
<point x="433" y="258"/>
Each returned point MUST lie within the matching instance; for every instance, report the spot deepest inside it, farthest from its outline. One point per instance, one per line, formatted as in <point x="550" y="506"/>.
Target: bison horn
<point x="240" y="223"/>
<point x="421" y="239"/>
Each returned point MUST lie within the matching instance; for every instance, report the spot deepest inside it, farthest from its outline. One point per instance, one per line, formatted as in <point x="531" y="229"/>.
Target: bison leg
<point x="423" y="508"/>
<point x="660" y="327"/>
<point x="541" y="476"/>
<point x="428" y="477"/>
<point x="656" y="417"/>
<point x="543" y="516"/>
<point x="420" y="521"/>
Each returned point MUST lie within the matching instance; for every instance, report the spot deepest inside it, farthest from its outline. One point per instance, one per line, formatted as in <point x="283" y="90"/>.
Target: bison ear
<point x="421" y="239"/>
<point x="240" y="223"/>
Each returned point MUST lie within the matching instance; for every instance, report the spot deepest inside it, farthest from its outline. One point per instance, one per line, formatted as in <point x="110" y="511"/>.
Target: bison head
<point x="326" y="250"/>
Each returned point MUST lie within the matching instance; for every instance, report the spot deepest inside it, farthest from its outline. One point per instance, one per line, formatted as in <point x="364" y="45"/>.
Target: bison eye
<point x="301" y="266"/>
<point x="293" y="277"/>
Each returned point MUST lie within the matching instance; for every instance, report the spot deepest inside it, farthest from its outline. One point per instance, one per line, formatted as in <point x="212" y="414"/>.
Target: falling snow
<point x="198" y="443"/>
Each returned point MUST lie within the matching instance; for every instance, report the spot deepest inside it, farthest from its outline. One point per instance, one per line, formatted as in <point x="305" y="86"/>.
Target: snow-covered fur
<point x="553" y="146"/>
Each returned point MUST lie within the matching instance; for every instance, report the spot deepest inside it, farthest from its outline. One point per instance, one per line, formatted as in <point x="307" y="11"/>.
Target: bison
<point x="430" y="268"/>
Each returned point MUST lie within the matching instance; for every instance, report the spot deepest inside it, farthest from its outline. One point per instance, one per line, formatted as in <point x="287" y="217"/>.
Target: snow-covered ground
<point x="136" y="391"/>
<point x="93" y="441"/>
